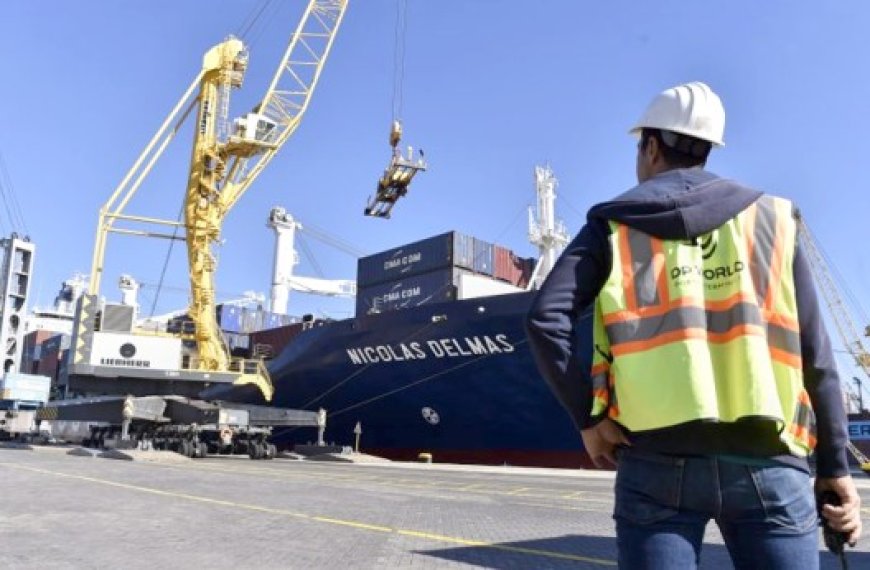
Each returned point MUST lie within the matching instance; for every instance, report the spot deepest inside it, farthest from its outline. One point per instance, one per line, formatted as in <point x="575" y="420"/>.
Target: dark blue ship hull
<point x="455" y="379"/>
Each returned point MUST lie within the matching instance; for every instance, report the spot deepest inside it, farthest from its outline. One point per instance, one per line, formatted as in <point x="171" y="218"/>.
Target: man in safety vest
<point x="712" y="378"/>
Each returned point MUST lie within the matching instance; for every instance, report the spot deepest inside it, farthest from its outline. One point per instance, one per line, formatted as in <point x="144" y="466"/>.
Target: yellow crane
<point x="225" y="161"/>
<point x="843" y="322"/>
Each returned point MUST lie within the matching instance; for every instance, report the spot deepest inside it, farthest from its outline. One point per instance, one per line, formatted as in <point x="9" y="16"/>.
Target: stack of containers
<point x="231" y="318"/>
<point x="32" y="349"/>
<point x="235" y="319"/>
<point x="52" y="353"/>
<point x="426" y="271"/>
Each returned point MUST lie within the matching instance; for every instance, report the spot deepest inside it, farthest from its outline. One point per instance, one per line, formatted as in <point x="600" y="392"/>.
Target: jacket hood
<point x="677" y="204"/>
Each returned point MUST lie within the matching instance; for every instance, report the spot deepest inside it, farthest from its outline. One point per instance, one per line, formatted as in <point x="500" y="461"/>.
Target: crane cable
<point x="166" y="261"/>
<point x="10" y="200"/>
<point x="253" y="18"/>
<point x="399" y="58"/>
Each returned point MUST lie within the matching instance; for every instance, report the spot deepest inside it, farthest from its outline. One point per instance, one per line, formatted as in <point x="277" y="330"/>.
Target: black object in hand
<point x="835" y="541"/>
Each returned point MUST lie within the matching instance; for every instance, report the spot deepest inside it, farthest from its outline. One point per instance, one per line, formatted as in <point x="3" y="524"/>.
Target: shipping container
<point x="270" y="342"/>
<point x="238" y="343"/>
<point x="474" y="285"/>
<point x="56" y="343"/>
<point x="451" y="249"/>
<point x="511" y="268"/>
<point x="31" y="350"/>
<point x="433" y="287"/>
<point x="28" y="387"/>
<point x="230" y="318"/>
<point x="502" y="264"/>
<point x="463" y="248"/>
<point x="252" y="320"/>
<point x="36" y="338"/>
<point x="483" y="254"/>
<point x="48" y="364"/>
<point x="276" y="320"/>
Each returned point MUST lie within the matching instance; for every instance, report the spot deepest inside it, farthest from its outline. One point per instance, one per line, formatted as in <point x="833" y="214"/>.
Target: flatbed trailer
<point x="193" y="428"/>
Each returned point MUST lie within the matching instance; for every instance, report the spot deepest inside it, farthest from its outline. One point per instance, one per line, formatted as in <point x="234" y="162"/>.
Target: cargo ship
<point x="455" y="379"/>
<point x="436" y="358"/>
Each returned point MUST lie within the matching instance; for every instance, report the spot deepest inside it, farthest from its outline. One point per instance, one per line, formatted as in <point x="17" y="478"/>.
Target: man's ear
<point x="651" y="149"/>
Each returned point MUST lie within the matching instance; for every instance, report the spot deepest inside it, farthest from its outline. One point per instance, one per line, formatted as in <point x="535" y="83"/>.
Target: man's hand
<point x="845" y="518"/>
<point x="600" y="441"/>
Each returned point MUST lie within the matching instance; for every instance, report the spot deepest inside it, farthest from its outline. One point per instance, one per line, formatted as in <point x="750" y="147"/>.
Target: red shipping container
<point x="34" y="339"/>
<point x="270" y="342"/>
<point x="502" y="257"/>
<point x="48" y="364"/>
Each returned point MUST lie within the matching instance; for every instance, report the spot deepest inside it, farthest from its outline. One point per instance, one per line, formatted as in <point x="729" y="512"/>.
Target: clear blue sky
<point x="492" y="88"/>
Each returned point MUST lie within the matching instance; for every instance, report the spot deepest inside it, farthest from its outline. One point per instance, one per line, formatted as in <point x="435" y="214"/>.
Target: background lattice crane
<point x="839" y="313"/>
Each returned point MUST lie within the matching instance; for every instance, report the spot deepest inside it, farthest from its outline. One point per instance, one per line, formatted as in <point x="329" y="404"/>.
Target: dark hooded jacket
<point x="678" y="204"/>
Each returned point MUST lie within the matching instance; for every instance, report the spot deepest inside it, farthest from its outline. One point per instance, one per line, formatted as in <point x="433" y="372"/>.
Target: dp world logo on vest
<point x="708" y="245"/>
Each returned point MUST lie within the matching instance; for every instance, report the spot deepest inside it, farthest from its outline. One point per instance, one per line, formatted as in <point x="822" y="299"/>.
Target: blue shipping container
<point x="451" y="249"/>
<point x="237" y="340"/>
<point x="433" y="287"/>
<point x="484" y="257"/>
<point x="55" y="343"/>
<point x="252" y="320"/>
<point x="229" y="318"/>
<point x="463" y="248"/>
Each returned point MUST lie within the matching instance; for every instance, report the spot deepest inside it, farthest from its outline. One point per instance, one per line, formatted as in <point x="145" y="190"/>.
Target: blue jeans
<point x="767" y="515"/>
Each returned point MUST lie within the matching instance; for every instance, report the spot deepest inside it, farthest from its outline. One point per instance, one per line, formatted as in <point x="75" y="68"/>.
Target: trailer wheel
<point x="184" y="448"/>
<point x="271" y="451"/>
<point x="256" y="450"/>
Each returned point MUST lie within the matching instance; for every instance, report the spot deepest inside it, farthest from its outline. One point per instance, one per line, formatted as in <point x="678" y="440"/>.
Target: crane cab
<point x="252" y="133"/>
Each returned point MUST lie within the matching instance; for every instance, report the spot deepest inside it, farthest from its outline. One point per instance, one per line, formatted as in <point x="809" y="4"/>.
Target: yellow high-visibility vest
<point x="704" y="329"/>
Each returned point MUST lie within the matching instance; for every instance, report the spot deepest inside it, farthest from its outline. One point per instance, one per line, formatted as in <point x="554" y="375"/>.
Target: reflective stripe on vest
<point x="704" y="329"/>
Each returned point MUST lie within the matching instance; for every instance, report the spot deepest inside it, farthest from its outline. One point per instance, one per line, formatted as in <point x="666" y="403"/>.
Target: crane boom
<point x="218" y="173"/>
<point x="837" y="309"/>
<point x="289" y="93"/>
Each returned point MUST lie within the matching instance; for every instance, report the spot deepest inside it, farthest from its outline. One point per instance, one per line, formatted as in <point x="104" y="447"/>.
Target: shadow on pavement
<point x="577" y="551"/>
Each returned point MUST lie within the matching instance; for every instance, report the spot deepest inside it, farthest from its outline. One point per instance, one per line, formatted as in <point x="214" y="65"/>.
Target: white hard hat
<point x="690" y="109"/>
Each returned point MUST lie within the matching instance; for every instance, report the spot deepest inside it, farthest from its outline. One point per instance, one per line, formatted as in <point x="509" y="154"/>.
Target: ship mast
<point x="283" y="279"/>
<point x="545" y="232"/>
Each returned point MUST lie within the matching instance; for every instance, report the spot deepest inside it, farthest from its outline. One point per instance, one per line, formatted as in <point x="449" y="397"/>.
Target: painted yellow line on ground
<point x="327" y="520"/>
<point x="354" y="524"/>
<point x="151" y="490"/>
<point x="518" y="491"/>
